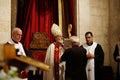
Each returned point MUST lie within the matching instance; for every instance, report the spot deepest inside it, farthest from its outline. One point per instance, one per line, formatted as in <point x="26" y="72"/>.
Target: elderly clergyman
<point x="53" y="55"/>
<point x="76" y="61"/>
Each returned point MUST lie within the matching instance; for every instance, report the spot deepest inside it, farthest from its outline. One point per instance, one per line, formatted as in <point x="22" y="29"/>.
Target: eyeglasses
<point x="19" y="35"/>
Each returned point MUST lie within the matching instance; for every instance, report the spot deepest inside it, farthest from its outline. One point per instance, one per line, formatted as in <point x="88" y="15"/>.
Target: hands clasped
<point x="90" y="56"/>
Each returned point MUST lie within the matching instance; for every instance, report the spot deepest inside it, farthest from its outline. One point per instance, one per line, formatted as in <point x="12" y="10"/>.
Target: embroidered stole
<point x="56" y="61"/>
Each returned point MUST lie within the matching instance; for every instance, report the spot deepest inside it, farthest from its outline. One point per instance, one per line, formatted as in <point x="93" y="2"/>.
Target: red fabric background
<point x="39" y="15"/>
<point x="34" y="16"/>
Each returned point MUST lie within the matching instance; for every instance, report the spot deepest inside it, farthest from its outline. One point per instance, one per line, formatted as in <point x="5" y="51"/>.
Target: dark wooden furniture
<point x="38" y="46"/>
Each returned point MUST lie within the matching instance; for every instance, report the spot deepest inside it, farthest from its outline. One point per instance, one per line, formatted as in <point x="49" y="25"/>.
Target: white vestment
<point x="50" y="61"/>
<point x="18" y="46"/>
<point x="20" y="50"/>
<point x="90" y="63"/>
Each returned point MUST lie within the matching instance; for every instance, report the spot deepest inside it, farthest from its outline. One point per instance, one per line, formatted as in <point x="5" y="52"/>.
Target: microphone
<point x="17" y="50"/>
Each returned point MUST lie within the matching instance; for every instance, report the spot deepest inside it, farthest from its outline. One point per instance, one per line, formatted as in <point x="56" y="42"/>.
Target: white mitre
<point x="56" y="30"/>
<point x="74" y="39"/>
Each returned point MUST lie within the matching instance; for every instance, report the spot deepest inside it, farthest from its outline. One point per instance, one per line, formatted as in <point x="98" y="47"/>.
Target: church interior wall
<point x="102" y="18"/>
<point x="5" y="20"/>
<point x="94" y="17"/>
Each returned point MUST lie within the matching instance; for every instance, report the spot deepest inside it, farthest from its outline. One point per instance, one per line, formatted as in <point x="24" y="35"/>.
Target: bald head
<point x="16" y="34"/>
<point x="16" y="30"/>
<point x="75" y="40"/>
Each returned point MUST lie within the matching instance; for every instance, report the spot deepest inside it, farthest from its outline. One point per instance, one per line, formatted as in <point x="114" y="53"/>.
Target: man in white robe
<point x="95" y="57"/>
<point x="15" y="39"/>
<point x="53" y="55"/>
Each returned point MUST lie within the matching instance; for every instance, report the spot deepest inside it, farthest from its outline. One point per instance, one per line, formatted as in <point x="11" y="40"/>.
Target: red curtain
<point x="39" y="15"/>
<point x="36" y="15"/>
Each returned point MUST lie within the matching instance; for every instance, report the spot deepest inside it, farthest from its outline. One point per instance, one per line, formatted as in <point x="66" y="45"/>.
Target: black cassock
<point x="76" y="61"/>
<point x="115" y="54"/>
<point x="99" y="61"/>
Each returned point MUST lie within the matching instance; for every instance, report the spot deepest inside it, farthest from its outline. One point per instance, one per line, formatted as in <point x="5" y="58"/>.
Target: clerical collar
<point x="14" y="41"/>
<point x="89" y="44"/>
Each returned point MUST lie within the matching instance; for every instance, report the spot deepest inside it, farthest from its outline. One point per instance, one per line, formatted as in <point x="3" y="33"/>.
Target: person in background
<point x="95" y="55"/>
<point x="53" y="55"/>
<point x="15" y="39"/>
<point x="76" y="61"/>
<point x="116" y="56"/>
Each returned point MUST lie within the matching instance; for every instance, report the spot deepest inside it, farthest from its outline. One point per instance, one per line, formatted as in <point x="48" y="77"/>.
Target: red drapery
<point x="39" y="15"/>
<point x="34" y="16"/>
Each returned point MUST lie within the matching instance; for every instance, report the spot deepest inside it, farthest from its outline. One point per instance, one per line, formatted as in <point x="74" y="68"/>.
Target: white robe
<point x="90" y="62"/>
<point x="18" y="46"/>
<point x="21" y="51"/>
<point x="50" y="61"/>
